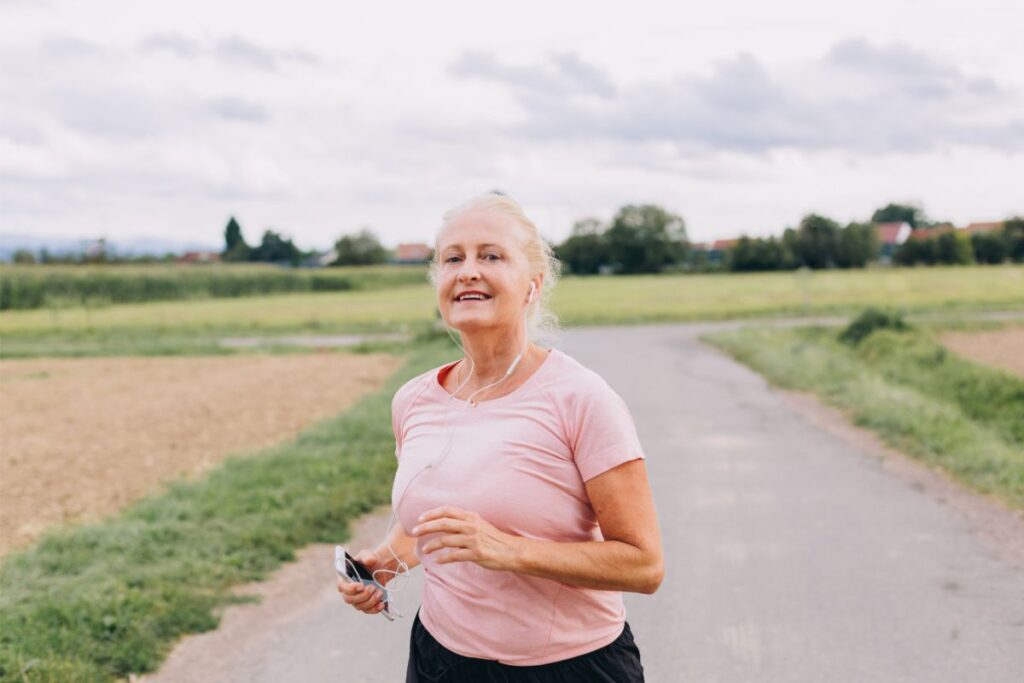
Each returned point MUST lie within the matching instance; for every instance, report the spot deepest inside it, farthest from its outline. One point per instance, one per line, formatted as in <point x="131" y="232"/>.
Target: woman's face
<point x="480" y="251"/>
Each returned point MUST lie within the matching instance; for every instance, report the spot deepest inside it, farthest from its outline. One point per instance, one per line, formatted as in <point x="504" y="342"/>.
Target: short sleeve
<point x="396" y="421"/>
<point x="402" y="403"/>
<point x="602" y="432"/>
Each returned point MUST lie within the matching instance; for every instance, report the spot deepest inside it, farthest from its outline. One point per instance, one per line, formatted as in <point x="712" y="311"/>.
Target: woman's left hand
<point x="470" y="537"/>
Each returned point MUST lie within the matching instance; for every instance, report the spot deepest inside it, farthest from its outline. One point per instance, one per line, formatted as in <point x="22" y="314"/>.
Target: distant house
<point x="933" y="231"/>
<point x="890" y="236"/>
<point x="978" y="228"/>
<point x="324" y="259"/>
<point x="715" y="252"/>
<point x="413" y="252"/>
<point x="198" y="257"/>
<point x="96" y="249"/>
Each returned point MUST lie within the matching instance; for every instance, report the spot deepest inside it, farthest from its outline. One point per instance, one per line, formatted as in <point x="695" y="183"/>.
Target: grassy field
<point x="192" y="326"/>
<point x="97" y="602"/>
<point x="965" y="418"/>
<point x="25" y="287"/>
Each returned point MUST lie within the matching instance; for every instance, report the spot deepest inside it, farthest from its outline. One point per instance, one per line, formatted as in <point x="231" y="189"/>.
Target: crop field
<point x="594" y="300"/>
<point x="84" y="437"/>
<point x="1002" y="348"/>
<point x="59" y="286"/>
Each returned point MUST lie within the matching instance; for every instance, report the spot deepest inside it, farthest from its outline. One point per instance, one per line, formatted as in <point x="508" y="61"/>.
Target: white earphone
<point x="533" y="288"/>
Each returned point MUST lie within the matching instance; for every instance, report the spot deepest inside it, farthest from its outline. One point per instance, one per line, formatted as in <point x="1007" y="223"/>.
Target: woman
<point x="521" y="484"/>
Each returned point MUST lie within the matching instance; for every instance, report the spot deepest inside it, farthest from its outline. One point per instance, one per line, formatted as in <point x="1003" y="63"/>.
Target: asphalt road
<point x="793" y="552"/>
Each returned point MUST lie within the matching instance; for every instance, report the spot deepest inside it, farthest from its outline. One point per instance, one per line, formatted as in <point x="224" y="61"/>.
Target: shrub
<point x="867" y="322"/>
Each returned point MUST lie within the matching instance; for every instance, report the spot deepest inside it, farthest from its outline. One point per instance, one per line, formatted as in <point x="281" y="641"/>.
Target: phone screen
<point x="355" y="569"/>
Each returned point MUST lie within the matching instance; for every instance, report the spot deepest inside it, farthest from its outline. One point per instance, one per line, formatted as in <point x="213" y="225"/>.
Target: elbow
<point x="653" y="578"/>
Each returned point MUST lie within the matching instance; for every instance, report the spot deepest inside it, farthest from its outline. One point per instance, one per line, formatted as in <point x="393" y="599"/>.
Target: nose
<point x="468" y="271"/>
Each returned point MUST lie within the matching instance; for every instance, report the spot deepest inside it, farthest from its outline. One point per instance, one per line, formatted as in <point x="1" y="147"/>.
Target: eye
<point x="492" y="257"/>
<point x="451" y="259"/>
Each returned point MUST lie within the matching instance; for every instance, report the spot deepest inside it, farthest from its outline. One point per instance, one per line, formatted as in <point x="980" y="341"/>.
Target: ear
<point x="534" y="288"/>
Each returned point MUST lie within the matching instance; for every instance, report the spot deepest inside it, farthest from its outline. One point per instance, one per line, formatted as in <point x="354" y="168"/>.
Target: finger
<point x="443" y="524"/>
<point x="367" y="558"/>
<point x="367" y="599"/>
<point x="456" y="541"/>
<point x="443" y="511"/>
<point x="459" y="555"/>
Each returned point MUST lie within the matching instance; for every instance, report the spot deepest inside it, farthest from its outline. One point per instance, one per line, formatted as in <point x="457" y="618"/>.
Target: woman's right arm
<point x="366" y="598"/>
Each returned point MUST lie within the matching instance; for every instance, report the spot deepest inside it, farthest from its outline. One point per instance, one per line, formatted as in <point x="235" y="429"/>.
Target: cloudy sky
<point x="127" y="119"/>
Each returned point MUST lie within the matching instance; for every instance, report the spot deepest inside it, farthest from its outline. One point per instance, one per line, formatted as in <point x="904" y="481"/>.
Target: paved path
<point x="793" y="553"/>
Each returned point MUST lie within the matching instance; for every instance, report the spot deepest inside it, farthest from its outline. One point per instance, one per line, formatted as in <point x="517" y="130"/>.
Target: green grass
<point x="92" y="603"/>
<point x="57" y="286"/>
<point x="194" y="326"/>
<point x="963" y="417"/>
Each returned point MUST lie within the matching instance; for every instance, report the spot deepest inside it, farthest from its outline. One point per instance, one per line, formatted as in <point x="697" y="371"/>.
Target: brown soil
<point x="81" y="438"/>
<point x="999" y="348"/>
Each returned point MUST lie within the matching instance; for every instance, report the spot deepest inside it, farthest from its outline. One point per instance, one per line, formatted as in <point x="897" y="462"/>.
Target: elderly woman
<point x="521" y="485"/>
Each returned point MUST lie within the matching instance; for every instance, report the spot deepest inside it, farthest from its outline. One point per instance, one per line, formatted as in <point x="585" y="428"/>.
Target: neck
<point x="493" y="353"/>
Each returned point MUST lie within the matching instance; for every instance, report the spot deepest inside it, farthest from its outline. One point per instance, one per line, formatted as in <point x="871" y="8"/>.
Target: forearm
<point x="403" y="545"/>
<point x="602" y="565"/>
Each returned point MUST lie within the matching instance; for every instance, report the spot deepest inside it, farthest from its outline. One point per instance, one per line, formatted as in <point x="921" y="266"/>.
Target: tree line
<point x="648" y="239"/>
<point x="358" y="249"/>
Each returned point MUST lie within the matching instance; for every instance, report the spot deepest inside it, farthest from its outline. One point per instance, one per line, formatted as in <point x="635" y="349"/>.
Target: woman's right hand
<point x="365" y="598"/>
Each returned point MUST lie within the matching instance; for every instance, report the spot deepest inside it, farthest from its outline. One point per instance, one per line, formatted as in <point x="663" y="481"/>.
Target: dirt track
<point x="80" y="438"/>
<point x="999" y="348"/>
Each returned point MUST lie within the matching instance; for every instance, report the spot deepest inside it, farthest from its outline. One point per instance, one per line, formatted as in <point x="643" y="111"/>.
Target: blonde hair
<point x="539" y="318"/>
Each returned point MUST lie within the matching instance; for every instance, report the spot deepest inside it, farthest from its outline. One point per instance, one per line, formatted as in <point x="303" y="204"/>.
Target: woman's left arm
<point x="629" y="559"/>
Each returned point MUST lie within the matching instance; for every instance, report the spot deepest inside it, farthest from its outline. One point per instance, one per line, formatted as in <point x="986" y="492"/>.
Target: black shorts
<point x="432" y="662"/>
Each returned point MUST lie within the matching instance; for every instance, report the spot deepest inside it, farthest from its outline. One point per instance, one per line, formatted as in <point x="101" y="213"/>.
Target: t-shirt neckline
<point x="438" y="388"/>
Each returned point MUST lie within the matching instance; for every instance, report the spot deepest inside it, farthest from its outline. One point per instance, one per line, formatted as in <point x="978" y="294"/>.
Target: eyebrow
<point x="479" y="246"/>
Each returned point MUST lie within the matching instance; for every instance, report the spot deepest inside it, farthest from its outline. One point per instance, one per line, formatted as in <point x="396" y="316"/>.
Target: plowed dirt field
<point x="80" y="438"/>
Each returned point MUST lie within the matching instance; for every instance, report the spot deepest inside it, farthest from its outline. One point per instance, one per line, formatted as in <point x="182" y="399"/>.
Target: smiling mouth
<point x="472" y="298"/>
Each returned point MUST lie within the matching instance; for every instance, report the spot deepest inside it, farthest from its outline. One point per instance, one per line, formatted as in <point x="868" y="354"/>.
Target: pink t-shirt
<point x="519" y="461"/>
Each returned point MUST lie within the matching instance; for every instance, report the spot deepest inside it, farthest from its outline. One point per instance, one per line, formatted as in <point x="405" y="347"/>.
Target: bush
<point x="867" y="322"/>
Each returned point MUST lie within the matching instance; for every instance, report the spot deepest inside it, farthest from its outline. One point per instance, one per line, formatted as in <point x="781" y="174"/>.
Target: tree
<point x="816" y="241"/>
<point x="235" y="248"/>
<point x="899" y="213"/>
<point x="646" y="238"/>
<point x="954" y="248"/>
<point x="990" y="247"/>
<point x="750" y="254"/>
<point x="275" y="248"/>
<point x="23" y="256"/>
<point x="360" y="249"/>
<point x="1013" y="233"/>
<point x="857" y="245"/>
<point x="586" y="249"/>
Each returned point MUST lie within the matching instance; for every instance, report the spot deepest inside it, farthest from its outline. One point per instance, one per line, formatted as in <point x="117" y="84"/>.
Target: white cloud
<point x="351" y="117"/>
<point x="858" y="98"/>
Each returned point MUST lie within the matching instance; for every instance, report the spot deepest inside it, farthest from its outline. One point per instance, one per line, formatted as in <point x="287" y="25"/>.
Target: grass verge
<point x="194" y="326"/>
<point x="97" y="602"/>
<point x="963" y="417"/>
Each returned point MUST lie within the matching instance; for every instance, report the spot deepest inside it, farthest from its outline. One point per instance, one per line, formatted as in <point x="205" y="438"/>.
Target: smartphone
<point x="351" y="569"/>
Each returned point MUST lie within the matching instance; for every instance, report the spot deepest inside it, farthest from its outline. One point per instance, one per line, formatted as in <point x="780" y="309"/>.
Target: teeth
<point x="471" y="296"/>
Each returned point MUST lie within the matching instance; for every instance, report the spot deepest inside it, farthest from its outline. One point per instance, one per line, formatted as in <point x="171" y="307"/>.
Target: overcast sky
<point x="125" y="119"/>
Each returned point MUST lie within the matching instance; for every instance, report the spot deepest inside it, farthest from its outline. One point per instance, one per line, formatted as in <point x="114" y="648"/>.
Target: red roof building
<point x="934" y="231"/>
<point x="893" y="233"/>
<point x="198" y="257"/>
<point x="413" y="253"/>
<point x="975" y="228"/>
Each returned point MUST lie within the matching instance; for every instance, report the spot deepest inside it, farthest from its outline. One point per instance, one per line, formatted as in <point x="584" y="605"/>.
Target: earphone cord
<point x="402" y="568"/>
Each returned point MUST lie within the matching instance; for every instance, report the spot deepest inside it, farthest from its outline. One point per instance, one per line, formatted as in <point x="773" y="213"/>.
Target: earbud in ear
<point x="533" y="288"/>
